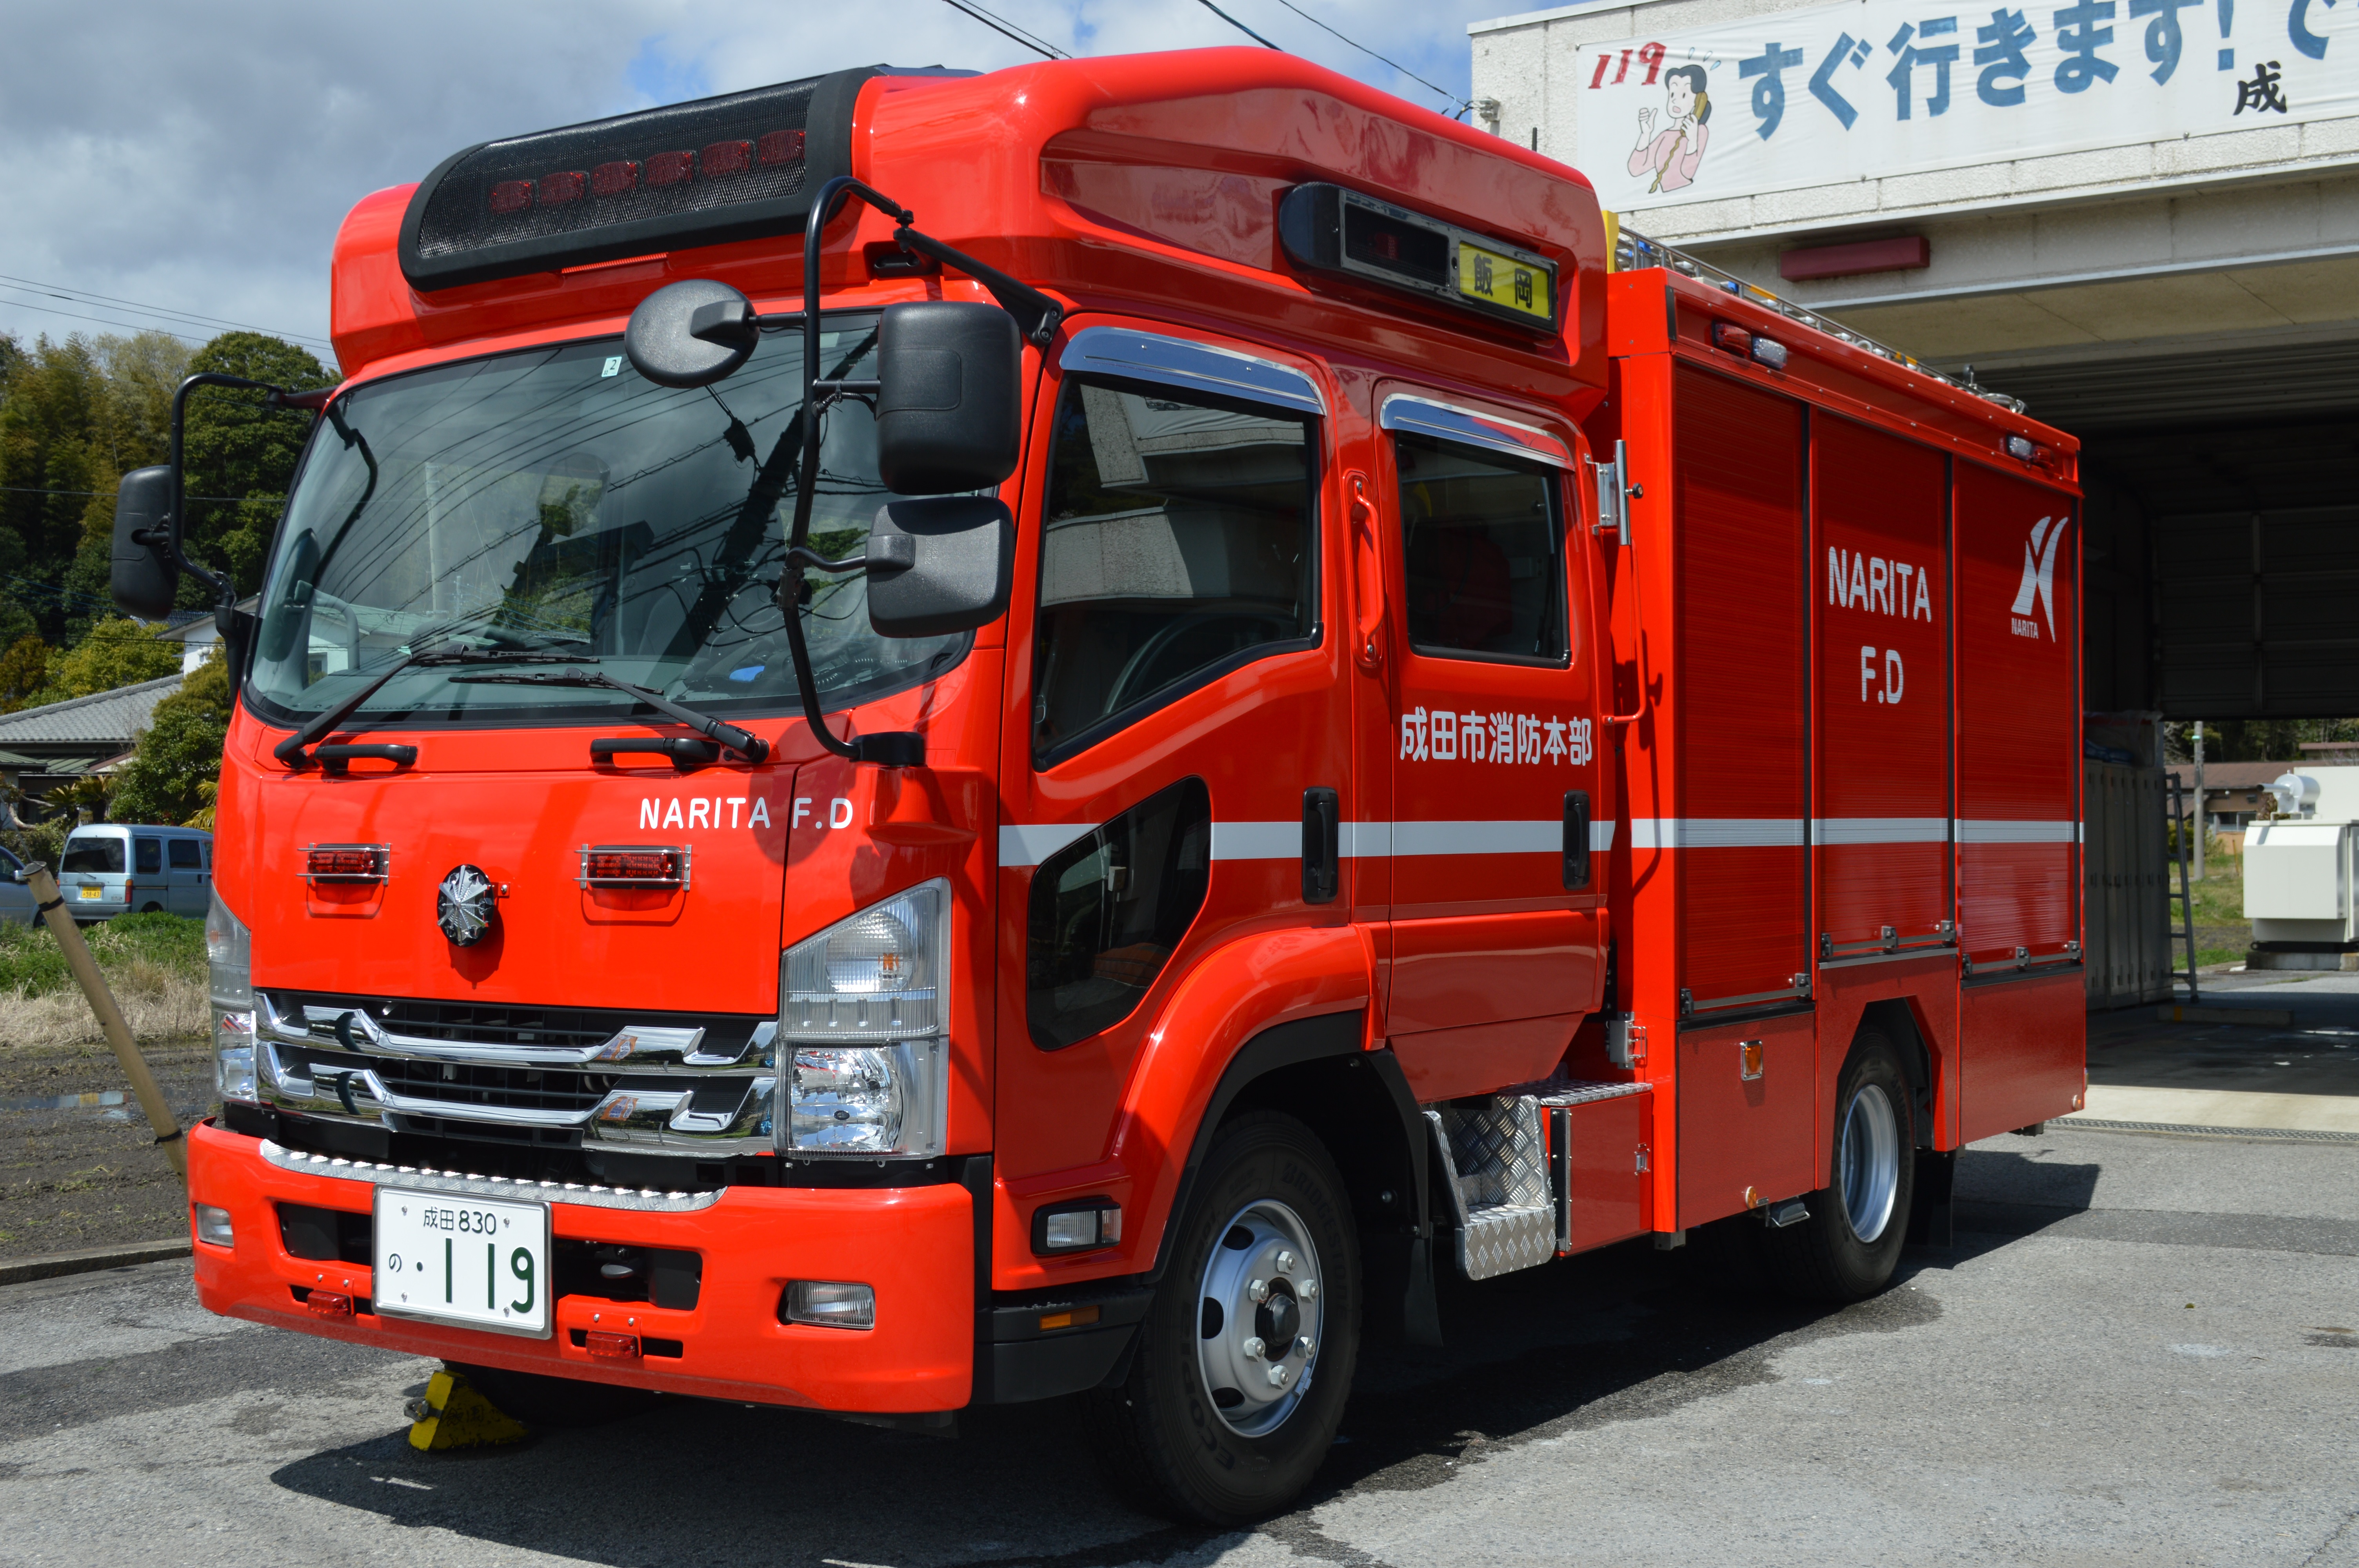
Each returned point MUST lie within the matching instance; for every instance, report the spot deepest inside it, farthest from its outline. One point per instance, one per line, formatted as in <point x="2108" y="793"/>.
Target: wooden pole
<point x="52" y="905"/>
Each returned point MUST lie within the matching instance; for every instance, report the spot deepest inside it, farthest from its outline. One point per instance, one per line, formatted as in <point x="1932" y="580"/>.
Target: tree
<point x="171" y="776"/>
<point x="75" y="417"/>
<point x="118" y="650"/>
<point x="236" y="447"/>
<point x="24" y="670"/>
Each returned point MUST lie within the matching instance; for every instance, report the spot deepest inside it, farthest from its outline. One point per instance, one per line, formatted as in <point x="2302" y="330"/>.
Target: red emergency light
<point x="346" y="863"/>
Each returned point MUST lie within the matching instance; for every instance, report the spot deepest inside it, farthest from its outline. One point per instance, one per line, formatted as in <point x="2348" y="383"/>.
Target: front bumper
<point x="913" y="1245"/>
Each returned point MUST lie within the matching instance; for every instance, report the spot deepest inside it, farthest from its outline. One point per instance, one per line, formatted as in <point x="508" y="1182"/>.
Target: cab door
<point x="1496" y="908"/>
<point x="1177" y="704"/>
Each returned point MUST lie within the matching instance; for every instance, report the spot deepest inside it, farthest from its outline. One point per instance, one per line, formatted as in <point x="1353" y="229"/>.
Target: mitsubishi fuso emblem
<point x="463" y="907"/>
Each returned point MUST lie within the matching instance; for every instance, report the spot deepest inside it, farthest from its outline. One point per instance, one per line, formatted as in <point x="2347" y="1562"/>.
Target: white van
<point x="109" y="869"/>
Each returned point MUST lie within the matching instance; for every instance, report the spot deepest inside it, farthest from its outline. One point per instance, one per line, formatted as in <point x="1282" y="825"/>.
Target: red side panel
<point x="2018" y="736"/>
<point x="1746" y="1141"/>
<point x="1883" y="606"/>
<point x="2021" y="1033"/>
<point x="2026" y="1052"/>
<point x="1604" y="1140"/>
<point x="1740" y="702"/>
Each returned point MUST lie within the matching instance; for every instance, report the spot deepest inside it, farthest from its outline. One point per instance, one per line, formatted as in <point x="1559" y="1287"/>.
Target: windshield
<point x="552" y="503"/>
<point x="101" y="856"/>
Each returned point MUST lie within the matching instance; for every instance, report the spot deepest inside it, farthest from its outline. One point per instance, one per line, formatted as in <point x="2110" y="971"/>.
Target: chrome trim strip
<point x="1424" y="416"/>
<point x="1198" y="367"/>
<point x="1923" y="950"/>
<point x="380" y="1174"/>
<point x="373" y="1039"/>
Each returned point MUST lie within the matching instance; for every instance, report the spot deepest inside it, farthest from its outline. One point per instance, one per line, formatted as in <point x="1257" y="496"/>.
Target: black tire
<point x="159" y="909"/>
<point x="1162" y="1442"/>
<point x="544" y="1401"/>
<point x="1834" y="1255"/>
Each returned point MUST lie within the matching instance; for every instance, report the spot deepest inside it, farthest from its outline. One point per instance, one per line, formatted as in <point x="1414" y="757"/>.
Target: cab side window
<point x="1483" y="538"/>
<point x="1177" y="543"/>
<point x="1107" y="910"/>
<point x="148" y="856"/>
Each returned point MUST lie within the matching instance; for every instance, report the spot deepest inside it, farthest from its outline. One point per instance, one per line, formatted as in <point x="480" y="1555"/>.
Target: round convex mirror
<point x="661" y="340"/>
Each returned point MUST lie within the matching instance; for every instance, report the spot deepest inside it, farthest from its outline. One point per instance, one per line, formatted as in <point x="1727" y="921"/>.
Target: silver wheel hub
<point x="1259" y="1311"/>
<point x="1869" y="1174"/>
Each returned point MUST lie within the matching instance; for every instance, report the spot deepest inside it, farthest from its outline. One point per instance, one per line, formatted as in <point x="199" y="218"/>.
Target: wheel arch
<point x="1896" y="1022"/>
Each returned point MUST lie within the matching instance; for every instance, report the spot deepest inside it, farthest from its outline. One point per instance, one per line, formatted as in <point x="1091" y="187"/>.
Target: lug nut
<point x="1305" y="1344"/>
<point x="1310" y="1291"/>
<point x="1257" y="1289"/>
<point x="1285" y="1262"/>
<point x="1278" y="1377"/>
<point x="1254" y="1348"/>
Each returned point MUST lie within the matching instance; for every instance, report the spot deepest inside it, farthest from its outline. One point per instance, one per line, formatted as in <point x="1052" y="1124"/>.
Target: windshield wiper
<point x="294" y="750"/>
<point x="743" y="742"/>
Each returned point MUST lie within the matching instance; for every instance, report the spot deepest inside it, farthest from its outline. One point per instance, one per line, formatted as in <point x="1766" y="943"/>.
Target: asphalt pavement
<point x="2145" y="1349"/>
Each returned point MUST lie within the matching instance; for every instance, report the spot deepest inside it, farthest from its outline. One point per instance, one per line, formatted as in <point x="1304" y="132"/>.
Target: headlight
<point x="861" y="1015"/>
<point x="229" y="965"/>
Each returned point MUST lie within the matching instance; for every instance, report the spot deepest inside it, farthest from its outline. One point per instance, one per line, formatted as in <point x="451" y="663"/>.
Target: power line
<point x="1007" y="29"/>
<point x="1240" y="27"/>
<point x="108" y="321"/>
<point x="85" y="297"/>
<point x="1372" y="54"/>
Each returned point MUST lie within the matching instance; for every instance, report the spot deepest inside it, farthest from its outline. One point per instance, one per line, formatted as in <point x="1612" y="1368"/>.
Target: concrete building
<point x="2146" y="225"/>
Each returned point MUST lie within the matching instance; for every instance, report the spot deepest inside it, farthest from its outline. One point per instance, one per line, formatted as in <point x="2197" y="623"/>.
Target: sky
<point x="163" y="157"/>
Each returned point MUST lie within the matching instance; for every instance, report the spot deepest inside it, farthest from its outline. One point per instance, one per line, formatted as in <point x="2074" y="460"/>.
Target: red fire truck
<point x="918" y="739"/>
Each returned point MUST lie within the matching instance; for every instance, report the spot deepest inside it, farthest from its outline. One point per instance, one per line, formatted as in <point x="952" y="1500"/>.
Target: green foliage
<point x="236" y="447"/>
<point x="118" y="650"/>
<point x="30" y="961"/>
<point x="24" y="670"/>
<point x="75" y="417"/>
<point x="179" y="754"/>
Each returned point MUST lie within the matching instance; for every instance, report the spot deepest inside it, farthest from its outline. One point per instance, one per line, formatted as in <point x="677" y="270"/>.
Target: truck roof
<point x="1144" y="179"/>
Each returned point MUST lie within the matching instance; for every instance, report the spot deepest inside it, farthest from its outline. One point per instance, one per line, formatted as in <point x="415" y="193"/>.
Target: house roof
<point x="104" y="722"/>
<point x="2216" y="776"/>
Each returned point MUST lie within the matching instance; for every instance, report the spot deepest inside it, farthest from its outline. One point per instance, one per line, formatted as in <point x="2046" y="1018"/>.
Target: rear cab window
<point x="98" y="856"/>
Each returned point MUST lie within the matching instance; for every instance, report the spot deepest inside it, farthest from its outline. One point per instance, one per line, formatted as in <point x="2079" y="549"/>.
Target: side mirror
<point x="952" y="379"/>
<point x="691" y="334"/>
<point x="940" y="564"/>
<point x="143" y="573"/>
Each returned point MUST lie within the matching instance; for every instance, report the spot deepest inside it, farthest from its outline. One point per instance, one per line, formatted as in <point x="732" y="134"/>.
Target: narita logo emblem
<point x="2039" y="578"/>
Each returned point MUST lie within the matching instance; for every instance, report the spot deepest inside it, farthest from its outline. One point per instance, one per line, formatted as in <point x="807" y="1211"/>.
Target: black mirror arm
<point x="174" y="527"/>
<point x="1036" y="314"/>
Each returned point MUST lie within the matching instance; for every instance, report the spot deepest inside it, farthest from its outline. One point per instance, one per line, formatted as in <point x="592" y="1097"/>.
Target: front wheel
<point x="1859" y="1220"/>
<point x="1246" y="1358"/>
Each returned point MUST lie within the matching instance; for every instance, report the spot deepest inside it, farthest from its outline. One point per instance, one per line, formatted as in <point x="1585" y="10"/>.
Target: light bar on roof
<point x="706" y="173"/>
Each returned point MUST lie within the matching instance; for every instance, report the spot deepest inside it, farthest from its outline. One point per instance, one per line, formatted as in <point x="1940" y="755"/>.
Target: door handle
<point x="1576" y="838"/>
<point x="1323" y="857"/>
<point x="1367" y="577"/>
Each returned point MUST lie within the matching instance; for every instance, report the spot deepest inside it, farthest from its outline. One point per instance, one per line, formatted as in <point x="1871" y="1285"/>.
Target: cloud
<point x="200" y="158"/>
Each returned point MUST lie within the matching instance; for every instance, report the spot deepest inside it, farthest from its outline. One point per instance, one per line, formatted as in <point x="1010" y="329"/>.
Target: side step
<point x="1525" y="1185"/>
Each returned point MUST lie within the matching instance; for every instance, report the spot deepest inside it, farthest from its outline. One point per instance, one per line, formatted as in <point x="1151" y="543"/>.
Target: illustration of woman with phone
<point x="1675" y="153"/>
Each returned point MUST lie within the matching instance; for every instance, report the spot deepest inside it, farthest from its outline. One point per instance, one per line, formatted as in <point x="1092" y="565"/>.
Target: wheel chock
<point x="453" y="1415"/>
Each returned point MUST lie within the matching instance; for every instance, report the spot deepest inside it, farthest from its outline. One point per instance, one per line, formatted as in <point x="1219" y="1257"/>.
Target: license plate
<point x="92" y="892"/>
<point x="468" y="1260"/>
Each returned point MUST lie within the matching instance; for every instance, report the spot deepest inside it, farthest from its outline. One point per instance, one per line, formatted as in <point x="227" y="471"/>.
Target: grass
<point x="2222" y="933"/>
<point x="154" y="965"/>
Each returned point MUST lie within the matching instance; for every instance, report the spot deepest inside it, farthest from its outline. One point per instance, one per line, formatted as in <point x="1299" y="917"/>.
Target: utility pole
<point x="2202" y="817"/>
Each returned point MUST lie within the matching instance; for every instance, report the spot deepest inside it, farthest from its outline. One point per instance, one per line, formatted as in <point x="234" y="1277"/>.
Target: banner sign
<point x="1887" y="87"/>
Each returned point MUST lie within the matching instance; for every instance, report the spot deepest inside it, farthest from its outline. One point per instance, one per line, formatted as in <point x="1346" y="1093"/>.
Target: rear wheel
<point x="1859" y="1220"/>
<point x="540" y="1401"/>
<point x="1246" y="1358"/>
